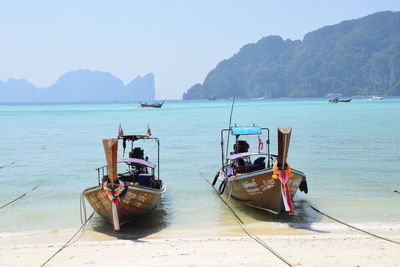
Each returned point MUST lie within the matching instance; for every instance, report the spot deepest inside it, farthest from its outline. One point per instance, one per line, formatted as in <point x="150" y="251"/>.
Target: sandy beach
<point x="300" y="248"/>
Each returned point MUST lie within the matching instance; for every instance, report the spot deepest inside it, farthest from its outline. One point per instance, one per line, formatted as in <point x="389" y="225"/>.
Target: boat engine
<point x="137" y="152"/>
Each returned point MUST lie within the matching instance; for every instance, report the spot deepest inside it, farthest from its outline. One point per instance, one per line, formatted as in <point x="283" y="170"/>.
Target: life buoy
<point x="260" y="144"/>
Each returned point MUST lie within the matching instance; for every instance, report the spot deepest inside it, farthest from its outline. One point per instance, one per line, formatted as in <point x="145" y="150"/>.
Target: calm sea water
<point x="350" y="153"/>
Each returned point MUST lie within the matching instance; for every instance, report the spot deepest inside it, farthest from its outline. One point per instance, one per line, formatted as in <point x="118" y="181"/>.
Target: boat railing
<point x="101" y="172"/>
<point x="228" y="131"/>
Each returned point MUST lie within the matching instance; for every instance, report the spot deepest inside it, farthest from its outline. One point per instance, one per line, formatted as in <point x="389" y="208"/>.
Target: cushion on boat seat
<point x="144" y="179"/>
<point x="258" y="164"/>
<point x="259" y="161"/>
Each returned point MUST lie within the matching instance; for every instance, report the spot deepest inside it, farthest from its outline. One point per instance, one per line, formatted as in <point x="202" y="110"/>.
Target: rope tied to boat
<point x="69" y="242"/>
<point x="21" y="196"/>
<point x="6" y="165"/>
<point x="247" y="231"/>
<point x="283" y="176"/>
<point x="351" y="226"/>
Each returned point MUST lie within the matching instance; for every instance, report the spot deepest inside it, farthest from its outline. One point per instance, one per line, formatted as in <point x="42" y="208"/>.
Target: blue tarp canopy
<point x="239" y="130"/>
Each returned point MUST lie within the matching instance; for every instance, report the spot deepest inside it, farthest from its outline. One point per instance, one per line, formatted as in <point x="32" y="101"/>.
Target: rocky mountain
<point x="355" y="57"/>
<point x="82" y="86"/>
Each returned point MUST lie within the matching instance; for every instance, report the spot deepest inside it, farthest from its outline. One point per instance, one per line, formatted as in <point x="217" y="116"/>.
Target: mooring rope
<point x="248" y="232"/>
<point x="2" y="166"/>
<point x="82" y="228"/>
<point x="82" y="208"/>
<point x="352" y="226"/>
<point x="21" y="196"/>
<point x="151" y="149"/>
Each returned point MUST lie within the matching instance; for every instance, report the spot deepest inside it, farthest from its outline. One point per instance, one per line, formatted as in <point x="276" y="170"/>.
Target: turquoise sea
<point x="350" y="153"/>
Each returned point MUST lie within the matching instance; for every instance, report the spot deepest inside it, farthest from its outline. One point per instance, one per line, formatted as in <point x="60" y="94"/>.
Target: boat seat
<point x="144" y="179"/>
<point x="258" y="164"/>
<point x="127" y="177"/>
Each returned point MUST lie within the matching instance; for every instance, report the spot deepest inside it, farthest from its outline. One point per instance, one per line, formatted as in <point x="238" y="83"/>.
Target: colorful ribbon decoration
<point x="284" y="176"/>
<point x="115" y="194"/>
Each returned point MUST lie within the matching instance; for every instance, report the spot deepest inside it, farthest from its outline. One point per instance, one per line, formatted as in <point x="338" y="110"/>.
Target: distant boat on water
<point x="151" y="105"/>
<point x="212" y="97"/>
<point x="376" y="97"/>
<point x="337" y="100"/>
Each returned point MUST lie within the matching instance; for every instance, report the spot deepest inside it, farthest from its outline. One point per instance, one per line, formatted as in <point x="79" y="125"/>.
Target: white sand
<point x="326" y="249"/>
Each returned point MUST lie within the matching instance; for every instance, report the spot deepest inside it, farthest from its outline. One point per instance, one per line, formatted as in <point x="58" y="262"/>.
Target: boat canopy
<point x="138" y="161"/>
<point x="244" y="154"/>
<point x="246" y="130"/>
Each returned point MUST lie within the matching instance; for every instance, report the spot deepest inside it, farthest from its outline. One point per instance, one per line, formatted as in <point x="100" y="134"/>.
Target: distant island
<point x="80" y="86"/>
<point x="355" y="57"/>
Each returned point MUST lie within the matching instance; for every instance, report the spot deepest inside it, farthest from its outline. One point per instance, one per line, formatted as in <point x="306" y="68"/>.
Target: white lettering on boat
<point x="267" y="184"/>
<point x="128" y="197"/>
<point x="142" y="198"/>
<point x="247" y="185"/>
<point x="251" y="187"/>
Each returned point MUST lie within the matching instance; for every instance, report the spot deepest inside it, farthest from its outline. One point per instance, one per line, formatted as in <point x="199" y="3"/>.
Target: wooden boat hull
<point x="260" y="190"/>
<point x="137" y="201"/>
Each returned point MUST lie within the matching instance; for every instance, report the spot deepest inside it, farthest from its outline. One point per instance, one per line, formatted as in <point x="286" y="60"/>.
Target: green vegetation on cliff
<point x="355" y="57"/>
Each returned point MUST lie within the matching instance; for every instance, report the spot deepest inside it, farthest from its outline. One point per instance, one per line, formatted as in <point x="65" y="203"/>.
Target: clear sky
<point x="179" y="41"/>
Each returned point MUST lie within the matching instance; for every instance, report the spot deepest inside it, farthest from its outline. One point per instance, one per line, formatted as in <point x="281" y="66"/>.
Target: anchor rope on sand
<point x="352" y="226"/>
<point x="68" y="243"/>
<point x="21" y="196"/>
<point x="248" y="232"/>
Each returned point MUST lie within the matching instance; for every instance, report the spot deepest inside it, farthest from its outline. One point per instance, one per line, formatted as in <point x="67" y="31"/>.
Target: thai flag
<point x="148" y="131"/>
<point x="120" y="131"/>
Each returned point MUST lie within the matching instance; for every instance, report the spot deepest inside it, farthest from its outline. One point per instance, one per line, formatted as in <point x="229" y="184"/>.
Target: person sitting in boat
<point x="241" y="146"/>
<point x="137" y="153"/>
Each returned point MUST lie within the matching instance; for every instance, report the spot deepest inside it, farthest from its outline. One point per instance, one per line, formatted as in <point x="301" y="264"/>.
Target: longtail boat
<point x="268" y="182"/>
<point x="151" y="105"/>
<point x="121" y="197"/>
<point x="337" y="100"/>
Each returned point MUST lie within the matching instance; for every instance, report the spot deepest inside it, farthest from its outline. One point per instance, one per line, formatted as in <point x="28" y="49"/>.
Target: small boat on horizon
<point x="213" y="97"/>
<point x="267" y="182"/>
<point x="151" y="105"/>
<point x="337" y="100"/>
<point x="376" y="97"/>
<point x="121" y="197"/>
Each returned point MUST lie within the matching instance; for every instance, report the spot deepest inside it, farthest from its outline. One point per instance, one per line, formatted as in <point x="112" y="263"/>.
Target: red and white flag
<point x="120" y="131"/>
<point x="148" y="131"/>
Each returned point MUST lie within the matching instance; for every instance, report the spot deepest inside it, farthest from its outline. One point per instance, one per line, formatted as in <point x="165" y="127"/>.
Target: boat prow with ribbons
<point x="258" y="179"/>
<point x="121" y="197"/>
